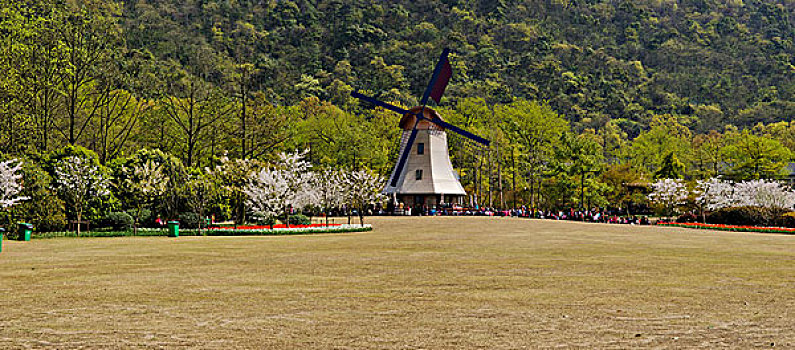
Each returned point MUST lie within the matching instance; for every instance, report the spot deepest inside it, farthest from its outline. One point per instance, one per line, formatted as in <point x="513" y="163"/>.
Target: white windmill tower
<point x="424" y="174"/>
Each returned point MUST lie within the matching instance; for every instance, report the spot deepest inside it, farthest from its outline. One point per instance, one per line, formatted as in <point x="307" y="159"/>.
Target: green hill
<point x="719" y="62"/>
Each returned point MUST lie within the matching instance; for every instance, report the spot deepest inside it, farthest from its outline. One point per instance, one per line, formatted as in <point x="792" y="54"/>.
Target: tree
<point x="78" y="181"/>
<point x="201" y="192"/>
<point x="10" y="183"/>
<point x="575" y="157"/>
<point x="329" y="186"/>
<point x="762" y="193"/>
<point x="92" y="42"/>
<point x="755" y="157"/>
<point x="536" y="128"/>
<point x="668" y="194"/>
<point x="43" y="209"/>
<point x="665" y="136"/>
<point x="115" y="122"/>
<point x="282" y="187"/>
<point x="235" y="175"/>
<point x="713" y="194"/>
<point x="194" y="114"/>
<point x="709" y="154"/>
<point x="670" y="168"/>
<point x="362" y="189"/>
<point x="144" y="183"/>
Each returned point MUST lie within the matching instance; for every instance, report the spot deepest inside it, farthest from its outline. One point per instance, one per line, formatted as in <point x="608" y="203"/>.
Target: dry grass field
<point x="421" y="283"/>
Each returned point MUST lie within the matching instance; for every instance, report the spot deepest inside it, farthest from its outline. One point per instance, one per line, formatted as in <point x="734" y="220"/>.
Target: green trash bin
<point x="2" y="232"/>
<point x="24" y="231"/>
<point x="173" y="228"/>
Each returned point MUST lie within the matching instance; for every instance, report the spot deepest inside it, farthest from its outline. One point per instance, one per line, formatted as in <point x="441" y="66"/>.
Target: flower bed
<point x="733" y="228"/>
<point x="278" y="230"/>
<point x="283" y="230"/>
<point x="265" y="227"/>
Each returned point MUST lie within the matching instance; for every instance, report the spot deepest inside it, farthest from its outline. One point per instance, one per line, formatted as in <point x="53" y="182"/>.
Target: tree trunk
<point x="79" y="219"/>
<point x="287" y="217"/>
<point x="513" y="177"/>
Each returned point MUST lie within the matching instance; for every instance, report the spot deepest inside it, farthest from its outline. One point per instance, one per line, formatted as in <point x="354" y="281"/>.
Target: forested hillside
<point x="580" y="97"/>
<point x="715" y="62"/>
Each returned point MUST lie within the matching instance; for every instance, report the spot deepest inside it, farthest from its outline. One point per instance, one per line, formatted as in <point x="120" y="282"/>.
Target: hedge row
<point x="206" y="232"/>
<point x="731" y="228"/>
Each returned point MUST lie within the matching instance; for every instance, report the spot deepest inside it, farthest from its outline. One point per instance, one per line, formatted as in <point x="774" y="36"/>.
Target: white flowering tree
<point x="762" y="193"/>
<point x="669" y="194"/>
<point x="278" y="189"/>
<point x="78" y="180"/>
<point x="363" y="188"/>
<point x="329" y="190"/>
<point x="713" y="194"/>
<point x="10" y="183"/>
<point x="144" y="183"/>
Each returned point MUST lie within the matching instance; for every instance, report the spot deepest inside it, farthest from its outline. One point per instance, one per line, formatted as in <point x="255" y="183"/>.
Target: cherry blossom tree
<point x="762" y="193"/>
<point x="278" y="189"/>
<point x="713" y="194"/>
<point x="145" y="183"/>
<point x="328" y="186"/>
<point x="78" y="180"/>
<point x="669" y="194"/>
<point x="10" y="183"/>
<point x="363" y="188"/>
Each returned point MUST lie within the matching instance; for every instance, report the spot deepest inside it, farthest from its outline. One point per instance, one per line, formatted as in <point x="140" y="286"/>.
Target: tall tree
<point x="91" y="38"/>
<point x="200" y="106"/>
<point x="536" y="129"/>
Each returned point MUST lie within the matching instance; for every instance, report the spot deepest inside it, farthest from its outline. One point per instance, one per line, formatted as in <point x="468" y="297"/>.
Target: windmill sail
<point x="440" y="84"/>
<point x="439" y="79"/>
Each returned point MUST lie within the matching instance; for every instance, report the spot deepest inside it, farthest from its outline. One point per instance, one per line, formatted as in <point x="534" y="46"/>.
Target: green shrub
<point x="267" y="221"/>
<point x="299" y="219"/>
<point x="146" y="219"/>
<point x="750" y="216"/>
<point x="687" y="217"/>
<point x="119" y="221"/>
<point x="788" y="219"/>
<point x="189" y="220"/>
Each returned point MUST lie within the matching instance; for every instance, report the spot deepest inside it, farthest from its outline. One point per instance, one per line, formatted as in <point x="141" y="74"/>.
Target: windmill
<point x="424" y="174"/>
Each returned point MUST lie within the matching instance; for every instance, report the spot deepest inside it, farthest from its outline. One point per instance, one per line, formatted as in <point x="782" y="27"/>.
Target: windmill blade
<point x="461" y="132"/>
<point x="385" y="105"/>
<point x="436" y="83"/>
<point x="403" y="157"/>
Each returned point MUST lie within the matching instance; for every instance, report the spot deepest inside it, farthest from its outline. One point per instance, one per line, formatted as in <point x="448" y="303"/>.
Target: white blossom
<point x="145" y="183"/>
<point x="669" y="193"/>
<point x="287" y="184"/>
<point x="145" y="180"/>
<point x="762" y="193"/>
<point x="10" y="183"/>
<point x="78" y="180"/>
<point x="363" y="188"/>
<point x="714" y="193"/>
<point x="329" y="190"/>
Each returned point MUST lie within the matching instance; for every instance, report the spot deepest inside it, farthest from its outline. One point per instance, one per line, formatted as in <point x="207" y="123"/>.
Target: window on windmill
<point x="418" y="174"/>
<point x="420" y="148"/>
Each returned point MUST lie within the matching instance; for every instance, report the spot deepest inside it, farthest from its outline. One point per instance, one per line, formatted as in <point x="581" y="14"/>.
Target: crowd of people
<point x="600" y="215"/>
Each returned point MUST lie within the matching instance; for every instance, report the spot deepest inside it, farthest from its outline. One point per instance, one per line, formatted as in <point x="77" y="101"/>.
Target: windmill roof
<point x="407" y="122"/>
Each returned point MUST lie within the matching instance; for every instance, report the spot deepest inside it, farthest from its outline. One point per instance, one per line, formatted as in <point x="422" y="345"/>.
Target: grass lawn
<point x="432" y="283"/>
